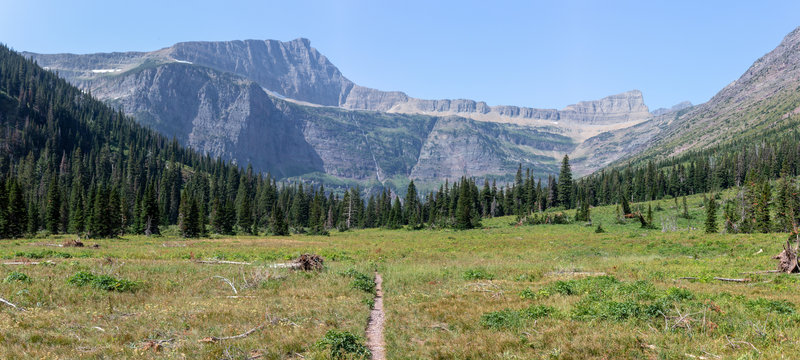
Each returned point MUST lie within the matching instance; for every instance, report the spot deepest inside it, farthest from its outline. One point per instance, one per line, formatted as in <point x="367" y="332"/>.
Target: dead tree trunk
<point x="787" y="259"/>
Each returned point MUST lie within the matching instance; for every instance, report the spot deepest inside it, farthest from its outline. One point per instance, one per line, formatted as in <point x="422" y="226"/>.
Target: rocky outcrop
<point x="675" y="108"/>
<point x="462" y="147"/>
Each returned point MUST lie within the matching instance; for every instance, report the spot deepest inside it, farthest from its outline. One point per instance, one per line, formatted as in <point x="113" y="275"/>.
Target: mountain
<point x="285" y="108"/>
<point x="764" y="98"/>
<point x="675" y="108"/>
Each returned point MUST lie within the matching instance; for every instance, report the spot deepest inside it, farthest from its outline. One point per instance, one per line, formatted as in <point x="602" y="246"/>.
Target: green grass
<point x="500" y="292"/>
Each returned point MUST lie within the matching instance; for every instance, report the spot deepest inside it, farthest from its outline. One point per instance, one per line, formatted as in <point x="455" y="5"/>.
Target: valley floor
<point x="501" y="292"/>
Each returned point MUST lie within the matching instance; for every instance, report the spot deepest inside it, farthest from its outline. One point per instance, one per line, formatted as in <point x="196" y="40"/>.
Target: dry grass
<point x="438" y="286"/>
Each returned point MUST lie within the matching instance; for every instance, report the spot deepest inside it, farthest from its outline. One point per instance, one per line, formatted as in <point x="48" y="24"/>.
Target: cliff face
<point x="215" y="113"/>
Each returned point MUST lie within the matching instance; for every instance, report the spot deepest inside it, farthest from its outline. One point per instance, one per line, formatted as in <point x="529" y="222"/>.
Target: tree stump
<point x="787" y="259"/>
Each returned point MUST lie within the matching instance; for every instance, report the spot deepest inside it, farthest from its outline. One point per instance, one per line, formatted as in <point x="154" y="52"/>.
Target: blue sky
<point x="529" y="53"/>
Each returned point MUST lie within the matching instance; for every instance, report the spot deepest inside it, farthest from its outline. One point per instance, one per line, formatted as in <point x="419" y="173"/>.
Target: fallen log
<point x="716" y="278"/>
<point x="48" y="262"/>
<point x="760" y="272"/>
<point x="222" y="262"/>
<point x="4" y="301"/>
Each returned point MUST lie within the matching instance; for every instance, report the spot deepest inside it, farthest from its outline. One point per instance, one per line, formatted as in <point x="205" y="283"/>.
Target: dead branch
<point x="760" y="272"/>
<point x="575" y="273"/>
<point x="229" y="283"/>
<point x="716" y="278"/>
<point x="213" y="339"/>
<point x="732" y="280"/>
<point x="734" y="346"/>
<point x="268" y="320"/>
<point x="48" y="262"/>
<point x="222" y="262"/>
<point x="4" y="301"/>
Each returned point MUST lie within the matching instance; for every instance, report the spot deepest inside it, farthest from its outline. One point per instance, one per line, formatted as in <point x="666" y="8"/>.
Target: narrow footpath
<point x="375" y="325"/>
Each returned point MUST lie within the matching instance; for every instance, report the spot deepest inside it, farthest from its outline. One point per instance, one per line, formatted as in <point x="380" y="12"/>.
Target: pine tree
<point x="685" y="214"/>
<point x="761" y="209"/>
<point x="731" y="217"/>
<point x="149" y="217"/>
<point x="76" y="214"/>
<point x="279" y="225"/>
<point x="113" y="213"/>
<point x="190" y="218"/>
<point x="244" y="214"/>
<point x="16" y="215"/>
<point x="411" y="204"/>
<point x="464" y="209"/>
<point x="34" y="225"/>
<point x="711" y="216"/>
<point x="52" y="217"/>
<point x="99" y="223"/>
<point x="565" y="184"/>
<point x="626" y="206"/>
<point x="784" y="216"/>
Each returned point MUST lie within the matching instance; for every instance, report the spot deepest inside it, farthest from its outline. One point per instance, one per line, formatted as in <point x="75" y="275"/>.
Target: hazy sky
<point x="530" y="53"/>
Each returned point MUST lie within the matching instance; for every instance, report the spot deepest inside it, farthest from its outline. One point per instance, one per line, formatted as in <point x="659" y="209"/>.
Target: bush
<point x="41" y="254"/>
<point x="342" y="344"/>
<point x="103" y="282"/>
<point x="776" y="306"/>
<point x="17" y="276"/>
<point x="477" y="274"/>
<point x="361" y="281"/>
<point x="515" y="318"/>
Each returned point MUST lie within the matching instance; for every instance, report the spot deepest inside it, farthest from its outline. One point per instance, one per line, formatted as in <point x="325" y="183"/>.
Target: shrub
<point x="477" y="274"/>
<point x="508" y="318"/>
<point x="342" y="344"/>
<point x="41" y="254"/>
<point x="776" y="306"/>
<point x="103" y="282"/>
<point x="361" y="281"/>
<point x="17" y="276"/>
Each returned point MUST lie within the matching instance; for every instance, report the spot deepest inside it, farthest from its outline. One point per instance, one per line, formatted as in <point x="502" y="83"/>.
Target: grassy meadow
<point x="499" y="292"/>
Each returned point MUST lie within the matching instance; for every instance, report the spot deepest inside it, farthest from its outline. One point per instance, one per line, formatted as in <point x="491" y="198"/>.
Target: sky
<point x="544" y="54"/>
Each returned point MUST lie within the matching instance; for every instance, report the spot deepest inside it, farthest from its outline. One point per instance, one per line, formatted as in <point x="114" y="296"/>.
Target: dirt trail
<point x="375" y="325"/>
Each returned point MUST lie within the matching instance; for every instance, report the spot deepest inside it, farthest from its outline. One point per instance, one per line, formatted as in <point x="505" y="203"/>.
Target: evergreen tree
<point x="565" y="184"/>
<point x="711" y="216"/>
<point x="244" y="214"/>
<point x="53" y="215"/>
<point x="149" y="216"/>
<point x="761" y="208"/>
<point x="464" y="208"/>
<point x="411" y="204"/>
<point x="76" y="214"/>
<point x="685" y="214"/>
<point x="113" y="213"/>
<point x="626" y="206"/>
<point x="190" y="218"/>
<point x="784" y="217"/>
<point x="16" y="215"/>
<point x="731" y="217"/>
<point x="279" y="225"/>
